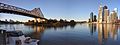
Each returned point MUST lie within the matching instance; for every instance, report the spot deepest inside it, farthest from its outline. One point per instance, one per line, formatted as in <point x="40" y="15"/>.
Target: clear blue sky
<point x="61" y="9"/>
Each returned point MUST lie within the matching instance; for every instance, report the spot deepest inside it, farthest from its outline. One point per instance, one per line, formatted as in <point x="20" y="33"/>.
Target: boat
<point x="2" y="37"/>
<point x="18" y="38"/>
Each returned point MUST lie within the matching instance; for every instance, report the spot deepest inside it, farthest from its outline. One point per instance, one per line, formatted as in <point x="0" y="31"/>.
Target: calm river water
<point x="79" y="34"/>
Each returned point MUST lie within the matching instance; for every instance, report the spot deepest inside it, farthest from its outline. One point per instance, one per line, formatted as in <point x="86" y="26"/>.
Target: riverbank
<point x="56" y="24"/>
<point x="5" y="22"/>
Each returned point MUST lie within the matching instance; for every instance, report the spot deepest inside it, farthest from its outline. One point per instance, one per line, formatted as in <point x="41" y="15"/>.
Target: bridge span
<point x="35" y="13"/>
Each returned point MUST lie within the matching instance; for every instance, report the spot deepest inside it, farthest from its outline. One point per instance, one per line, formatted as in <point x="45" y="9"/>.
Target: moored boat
<point x="18" y="38"/>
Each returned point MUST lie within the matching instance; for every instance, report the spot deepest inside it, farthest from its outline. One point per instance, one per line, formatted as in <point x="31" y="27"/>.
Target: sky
<point x="78" y="10"/>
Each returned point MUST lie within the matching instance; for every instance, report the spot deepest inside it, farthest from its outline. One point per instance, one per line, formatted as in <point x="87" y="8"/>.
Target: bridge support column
<point x="36" y="20"/>
<point x="39" y="20"/>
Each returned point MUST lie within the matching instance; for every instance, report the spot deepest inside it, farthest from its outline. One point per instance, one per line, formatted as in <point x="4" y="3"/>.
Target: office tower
<point x="100" y="14"/>
<point x="94" y="18"/>
<point x="113" y="17"/>
<point x="106" y="14"/>
<point x="116" y="11"/>
<point x="108" y="19"/>
<point x="116" y="14"/>
<point x="91" y="17"/>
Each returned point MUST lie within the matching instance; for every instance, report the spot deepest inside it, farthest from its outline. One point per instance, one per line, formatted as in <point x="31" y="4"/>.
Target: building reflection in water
<point x="106" y="30"/>
<point x="38" y="31"/>
<point x="92" y="28"/>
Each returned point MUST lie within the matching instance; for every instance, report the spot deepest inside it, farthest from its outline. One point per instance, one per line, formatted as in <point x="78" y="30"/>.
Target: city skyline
<point x="61" y="9"/>
<point x="106" y="16"/>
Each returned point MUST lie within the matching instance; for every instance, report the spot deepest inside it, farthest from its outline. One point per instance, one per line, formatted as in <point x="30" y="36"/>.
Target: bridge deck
<point x="36" y="13"/>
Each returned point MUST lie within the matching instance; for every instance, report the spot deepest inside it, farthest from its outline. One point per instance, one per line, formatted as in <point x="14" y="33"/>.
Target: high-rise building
<point x="94" y="18"/>
<point x="106" y="14"/>
<point x="100" y="14"/>
<point x="116" y="13"/>
<point x="108" y="19"/>
<point x="103" y="16"/>
<point x="113" y="17"/>
<point x="91" y="17"/>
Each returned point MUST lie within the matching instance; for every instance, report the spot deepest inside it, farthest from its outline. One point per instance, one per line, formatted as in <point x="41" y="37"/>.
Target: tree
<point x="72" y="21"/>
<point x="28" y="20"/>
<point x="61" y="20"/>
<point x="54" y="21"/>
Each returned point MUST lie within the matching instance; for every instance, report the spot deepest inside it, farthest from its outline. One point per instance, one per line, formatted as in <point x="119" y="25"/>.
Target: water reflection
<point x="72" y="26"/>
<point x="105" y="32"/>
<point x="92" y="28"/>
<point x="37" y="32"/>
<point x="61" y="27"/>
<point x="94" y="34"/>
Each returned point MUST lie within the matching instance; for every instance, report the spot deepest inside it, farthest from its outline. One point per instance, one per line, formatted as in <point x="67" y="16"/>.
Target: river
<point x="79" y="34"/>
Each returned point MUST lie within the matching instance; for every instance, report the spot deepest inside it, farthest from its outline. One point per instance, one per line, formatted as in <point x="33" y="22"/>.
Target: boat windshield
<point x="14" y="33"/>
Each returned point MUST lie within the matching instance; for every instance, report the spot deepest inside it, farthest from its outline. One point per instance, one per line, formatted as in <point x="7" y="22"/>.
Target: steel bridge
<point x="35" y="13"/>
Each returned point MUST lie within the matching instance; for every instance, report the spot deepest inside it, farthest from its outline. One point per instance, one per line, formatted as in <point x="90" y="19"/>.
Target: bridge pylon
<point x="38" y="20"/>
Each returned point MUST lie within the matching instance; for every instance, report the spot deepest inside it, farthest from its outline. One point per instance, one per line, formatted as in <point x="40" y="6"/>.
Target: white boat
<point x="18" y="38"/>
